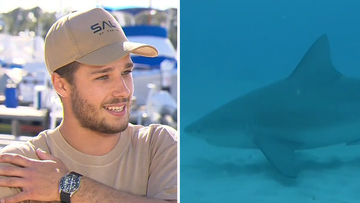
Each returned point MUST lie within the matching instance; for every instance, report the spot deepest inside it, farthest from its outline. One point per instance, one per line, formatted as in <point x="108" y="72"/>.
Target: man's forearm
<point x="92" y="191"/>
<point x="39" y="180"/>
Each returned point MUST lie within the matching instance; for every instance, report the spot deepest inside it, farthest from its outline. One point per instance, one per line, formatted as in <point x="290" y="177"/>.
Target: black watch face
<point x="70" y="183"/>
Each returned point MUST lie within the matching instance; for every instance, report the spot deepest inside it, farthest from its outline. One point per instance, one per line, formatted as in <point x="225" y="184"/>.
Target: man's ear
<point x="61" y="86"/>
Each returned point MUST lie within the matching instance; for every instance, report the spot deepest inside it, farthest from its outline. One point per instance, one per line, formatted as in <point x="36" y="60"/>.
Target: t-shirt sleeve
<point x="163" y="166"/>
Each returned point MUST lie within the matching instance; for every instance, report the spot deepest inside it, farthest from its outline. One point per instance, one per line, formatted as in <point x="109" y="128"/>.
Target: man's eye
<point x="127" y="72"/>
<point x="103" y="77"/>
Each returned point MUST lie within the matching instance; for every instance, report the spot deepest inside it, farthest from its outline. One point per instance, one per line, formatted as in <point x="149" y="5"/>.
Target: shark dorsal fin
<point x="316" y="63"/>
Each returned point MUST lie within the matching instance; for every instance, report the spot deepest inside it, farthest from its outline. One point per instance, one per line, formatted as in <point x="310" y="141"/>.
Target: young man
<point x="94" y="155"/>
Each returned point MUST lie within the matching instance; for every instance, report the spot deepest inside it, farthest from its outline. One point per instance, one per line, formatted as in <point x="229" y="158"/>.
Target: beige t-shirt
<point x="144" y="162"/>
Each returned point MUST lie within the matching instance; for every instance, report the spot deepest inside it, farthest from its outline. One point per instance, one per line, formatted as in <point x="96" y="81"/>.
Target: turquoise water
<point x="229" y="48"/>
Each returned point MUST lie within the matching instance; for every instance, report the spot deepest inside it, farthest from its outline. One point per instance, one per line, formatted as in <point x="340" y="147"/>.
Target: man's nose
<point x="121" y="89"/>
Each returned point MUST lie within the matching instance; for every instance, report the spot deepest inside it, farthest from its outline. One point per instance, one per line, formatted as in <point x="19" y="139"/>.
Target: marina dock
<point x="21" y="123"/>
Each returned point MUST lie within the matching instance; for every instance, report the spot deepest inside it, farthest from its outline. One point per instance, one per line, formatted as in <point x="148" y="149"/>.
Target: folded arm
<point x="39" y="180"/>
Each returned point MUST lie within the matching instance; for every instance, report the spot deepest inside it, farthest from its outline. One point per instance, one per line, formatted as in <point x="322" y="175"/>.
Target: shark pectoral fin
<point x="280" y="154"/>
<point x="354" y="142"/>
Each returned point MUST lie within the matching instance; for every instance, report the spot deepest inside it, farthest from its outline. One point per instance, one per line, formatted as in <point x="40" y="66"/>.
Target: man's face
<point x="101" y="96"/>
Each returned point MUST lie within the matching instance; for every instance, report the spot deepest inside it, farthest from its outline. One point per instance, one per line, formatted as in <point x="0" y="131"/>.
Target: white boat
<point x="149" y="70"/>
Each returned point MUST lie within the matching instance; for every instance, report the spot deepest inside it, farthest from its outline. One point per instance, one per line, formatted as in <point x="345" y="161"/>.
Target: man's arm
<point x="39" y="180"/>
<point x="92" y="191"/>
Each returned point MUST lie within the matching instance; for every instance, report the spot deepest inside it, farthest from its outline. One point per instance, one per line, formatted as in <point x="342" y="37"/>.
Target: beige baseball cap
<point x="92" y="37"/>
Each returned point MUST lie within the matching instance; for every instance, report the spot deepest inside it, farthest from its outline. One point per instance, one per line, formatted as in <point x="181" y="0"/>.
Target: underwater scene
<point x="270" y="101"/>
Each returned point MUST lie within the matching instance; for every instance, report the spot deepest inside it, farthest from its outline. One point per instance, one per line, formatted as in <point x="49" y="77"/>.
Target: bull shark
<point x="315" y="106"/>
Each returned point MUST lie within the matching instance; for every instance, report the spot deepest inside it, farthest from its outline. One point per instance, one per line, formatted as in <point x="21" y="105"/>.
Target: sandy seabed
<point x="212" y="174"/>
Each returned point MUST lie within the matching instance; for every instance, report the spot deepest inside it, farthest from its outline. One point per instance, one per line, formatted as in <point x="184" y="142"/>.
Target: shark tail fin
<point x="316" y="64"/>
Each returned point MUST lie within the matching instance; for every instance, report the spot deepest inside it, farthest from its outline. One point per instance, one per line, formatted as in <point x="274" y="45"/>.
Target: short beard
<point x="88" y="116"/>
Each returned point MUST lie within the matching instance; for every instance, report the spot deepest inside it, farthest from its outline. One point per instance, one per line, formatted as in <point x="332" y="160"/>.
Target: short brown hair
<point x="68" y="71"/>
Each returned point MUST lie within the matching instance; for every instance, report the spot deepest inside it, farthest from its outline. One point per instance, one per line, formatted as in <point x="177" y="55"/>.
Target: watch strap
<point x="73" y="172"/>
<point x="65" y="197"/>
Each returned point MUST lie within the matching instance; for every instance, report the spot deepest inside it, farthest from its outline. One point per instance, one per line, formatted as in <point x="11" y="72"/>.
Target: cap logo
<point x="98" y="27"/>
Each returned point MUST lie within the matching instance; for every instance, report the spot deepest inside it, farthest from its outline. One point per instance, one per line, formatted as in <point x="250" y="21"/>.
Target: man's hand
<point x="37" y="179"/>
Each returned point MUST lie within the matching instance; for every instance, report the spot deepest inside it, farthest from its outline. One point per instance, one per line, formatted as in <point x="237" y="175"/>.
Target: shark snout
<point x="192" y="129"/>
<point x="189" y="130"/>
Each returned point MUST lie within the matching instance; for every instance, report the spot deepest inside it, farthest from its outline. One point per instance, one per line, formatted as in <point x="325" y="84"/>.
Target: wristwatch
<point x="68" y="185"/>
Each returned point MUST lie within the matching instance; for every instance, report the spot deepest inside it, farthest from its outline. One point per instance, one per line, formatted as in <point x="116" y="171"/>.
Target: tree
<point x="39" y="22"/>
<point x="20" y="20"/>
